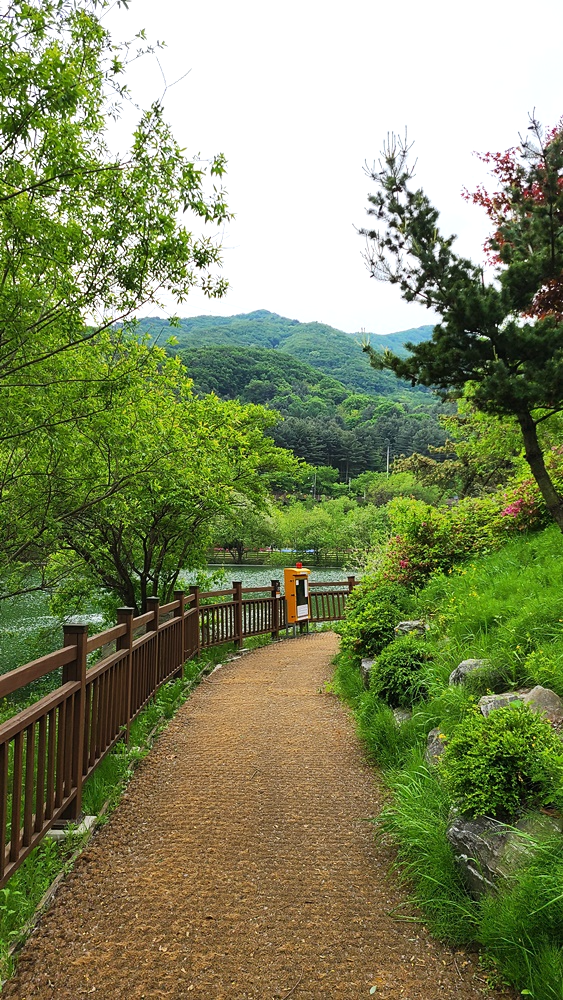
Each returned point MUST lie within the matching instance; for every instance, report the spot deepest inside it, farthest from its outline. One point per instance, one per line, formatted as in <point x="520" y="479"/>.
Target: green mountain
<point x="324" y="422"/>
<point x="333" y="352"/>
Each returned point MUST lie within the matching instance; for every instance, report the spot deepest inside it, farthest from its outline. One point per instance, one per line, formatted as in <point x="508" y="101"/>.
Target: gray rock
<point x="402" y="715"/>
<point x="486" y="850"/>
<point x="466" y="667"/>
<point x="540" y="699"/>
<point x="478" y="847"/>
<point x="489" y="702"/>
<point x="405" y="628"/>
<point x="434" y="746"/>
<point x="365" y="669"/>
<point x="546" y="702"/>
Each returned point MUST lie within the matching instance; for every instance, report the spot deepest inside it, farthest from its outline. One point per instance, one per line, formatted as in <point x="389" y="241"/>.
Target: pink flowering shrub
<point x="426" y="539"/>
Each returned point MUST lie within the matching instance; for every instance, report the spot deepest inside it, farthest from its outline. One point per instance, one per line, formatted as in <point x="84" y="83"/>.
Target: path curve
<point x="239" y="865"/>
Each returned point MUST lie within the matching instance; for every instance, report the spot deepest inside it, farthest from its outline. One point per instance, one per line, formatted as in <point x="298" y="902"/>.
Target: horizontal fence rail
<point x="49" y="749"/>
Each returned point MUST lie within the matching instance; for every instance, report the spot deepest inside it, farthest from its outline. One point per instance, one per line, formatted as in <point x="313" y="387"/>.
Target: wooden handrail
<point x="21" y="676"/>
<point x="104" y="638"/>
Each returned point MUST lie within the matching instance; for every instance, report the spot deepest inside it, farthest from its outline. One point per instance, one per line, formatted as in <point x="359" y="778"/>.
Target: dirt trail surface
<point x="240" y="865"/>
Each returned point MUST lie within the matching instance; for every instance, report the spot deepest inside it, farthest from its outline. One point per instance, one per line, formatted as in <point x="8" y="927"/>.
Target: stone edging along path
<point x="239" y="864"/>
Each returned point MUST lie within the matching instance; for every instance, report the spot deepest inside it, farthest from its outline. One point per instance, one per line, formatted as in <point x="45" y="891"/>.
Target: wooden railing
<point x="49" y="749"/>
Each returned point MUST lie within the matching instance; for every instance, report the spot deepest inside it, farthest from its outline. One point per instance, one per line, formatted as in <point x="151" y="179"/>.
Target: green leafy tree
<point x="183" y="464"/>
<point x="86" y="238"/>
<point x="244" y="529"/>
<point x="504" y="336"/>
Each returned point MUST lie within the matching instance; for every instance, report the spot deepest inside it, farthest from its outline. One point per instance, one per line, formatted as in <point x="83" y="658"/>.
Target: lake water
<point x="29" y="630"/>
<point x="255" y="576"/>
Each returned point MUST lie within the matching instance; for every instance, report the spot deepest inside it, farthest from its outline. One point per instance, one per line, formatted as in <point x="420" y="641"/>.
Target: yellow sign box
<point x="296" y="585"/>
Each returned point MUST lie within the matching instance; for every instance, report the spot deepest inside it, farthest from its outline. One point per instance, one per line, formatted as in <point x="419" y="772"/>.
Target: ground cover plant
<point x="505" y="608"/>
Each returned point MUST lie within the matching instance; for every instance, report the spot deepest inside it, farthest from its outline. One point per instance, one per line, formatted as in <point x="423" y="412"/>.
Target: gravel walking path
<point x="241" y="865"/>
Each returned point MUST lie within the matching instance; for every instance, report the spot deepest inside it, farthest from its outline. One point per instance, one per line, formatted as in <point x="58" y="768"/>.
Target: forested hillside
<point x="324" y="422"/>
<point x="323" y="347"/>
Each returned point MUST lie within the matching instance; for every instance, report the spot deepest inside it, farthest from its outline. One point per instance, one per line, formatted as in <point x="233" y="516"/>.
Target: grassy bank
<point x="506" y="608"/>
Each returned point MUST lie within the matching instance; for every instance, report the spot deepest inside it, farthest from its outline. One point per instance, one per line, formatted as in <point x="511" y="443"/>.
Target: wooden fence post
<point x="153" y="604"/>
<point x="275" y="609"/>
<point x="76" y="634"/>
<point x="180" y="613"/>
<point x="351" y="583"/>
<point x="237" y="599"/>
<point x="125" y="617"/>
<point x="195" y="633"/>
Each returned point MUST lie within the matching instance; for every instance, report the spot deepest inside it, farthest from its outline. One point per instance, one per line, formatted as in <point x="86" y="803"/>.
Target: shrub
<point x="503" y="764"/>
<point x="426" y="539"/>
<point x="398" y="676"/>
<point x="367" y="632"/>
<point x="369" y="592"/>
<point x="371" y="615"/>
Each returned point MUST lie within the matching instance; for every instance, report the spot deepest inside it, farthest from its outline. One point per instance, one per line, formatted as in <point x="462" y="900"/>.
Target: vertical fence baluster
<point x="51" y="764"/>
<point x="16" y="798"/>
<point x="194" y="631"/>
<point x="75" y="634"/>
<point x="40" y="779"/>
<point x="237" y="599"/>
<point x="61" y="713"/>
<point x="153" y="604"/>
<point x="94" y="735"/>
<point x="29" y="784"/>
<point x="125" y="617"/>
<point x="87" y="728"/>
<point x="180" y="634"/>
<point x="67" y="762"/>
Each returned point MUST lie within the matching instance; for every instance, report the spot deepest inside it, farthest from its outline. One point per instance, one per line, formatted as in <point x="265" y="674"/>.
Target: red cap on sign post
<point x="298" y="565"/>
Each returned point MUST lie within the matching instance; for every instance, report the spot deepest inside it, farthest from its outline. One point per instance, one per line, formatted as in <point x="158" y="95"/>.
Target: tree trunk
<point x="534" y="458"/>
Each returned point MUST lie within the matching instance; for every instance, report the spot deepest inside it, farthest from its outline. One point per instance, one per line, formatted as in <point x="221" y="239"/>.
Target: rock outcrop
<point x="435" y="746"/>
<point x="366" y="667"/>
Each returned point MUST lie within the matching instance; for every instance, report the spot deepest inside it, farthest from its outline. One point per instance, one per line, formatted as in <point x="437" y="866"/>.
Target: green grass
<point x="523" y="926"/>
<point x="506" y="608"/>
<point x="416" y="821"/>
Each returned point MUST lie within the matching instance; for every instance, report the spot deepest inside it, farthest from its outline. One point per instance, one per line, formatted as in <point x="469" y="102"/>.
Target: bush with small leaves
<point x="371" y="615"/>
<point x="399" y="674"/>
<point x="504" y="764"/>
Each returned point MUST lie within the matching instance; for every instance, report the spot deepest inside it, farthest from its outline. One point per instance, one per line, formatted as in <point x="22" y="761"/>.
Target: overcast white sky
<point x="299" y="94"/>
